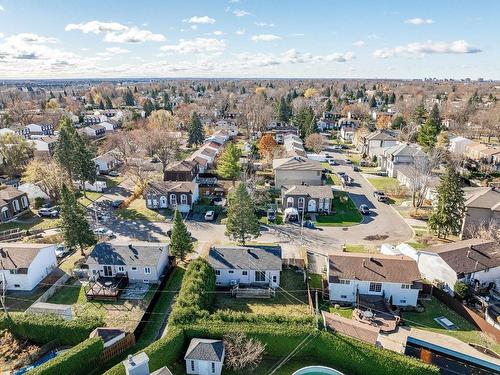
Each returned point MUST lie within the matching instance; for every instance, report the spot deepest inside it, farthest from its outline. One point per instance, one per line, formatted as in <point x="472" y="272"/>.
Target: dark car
<point x="169" y="233"/>
<point x="380" y="195"/>
<point x="117" y="203"/>
<point x="364" y="210"/>
<point x="355" y="168"/>
<point x="271" y="215"/>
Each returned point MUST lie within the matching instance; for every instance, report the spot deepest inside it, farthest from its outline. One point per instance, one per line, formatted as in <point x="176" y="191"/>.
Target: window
<point x="343" y="296"/>
<point x="192" y="365"/>
<point x="121" y="269"/>
<point x="289" y="202"/>
<point x="24" y="202"/>
<point x="260" y="276"/>
<point x="405" y="286"/>
<point x="184" y="199"/>
<point x="173" y="199"/>
<point x="275" y="279"/>
<point x="244" y="273"/>
<point x="344" y="282"/>
<point x="213" y="367"/>
<point x="231" y="271"/>
<point x="375" y="287"/>
<point x="217" y="283"/>
<point x="147" y="270"/>
<point x="217" y="272"/>
<point x="403" y="302"/>
<point x="300" y="203"/>
<point x="17" y="286"/>
<point x="134" y="268"/>
<point x="16" y="205"/>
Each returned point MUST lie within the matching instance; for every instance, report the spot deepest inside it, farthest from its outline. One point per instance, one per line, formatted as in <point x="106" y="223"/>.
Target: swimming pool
<point x="47" y="357"/>
<point x="317" y="370"/>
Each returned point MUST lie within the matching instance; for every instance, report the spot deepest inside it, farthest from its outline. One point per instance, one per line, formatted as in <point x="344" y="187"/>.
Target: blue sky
<point x="249" y="38"/>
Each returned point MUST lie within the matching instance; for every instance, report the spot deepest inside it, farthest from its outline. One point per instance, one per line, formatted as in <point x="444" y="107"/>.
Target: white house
<point x="395" y="157"/>
<point x="95" y="130"/>
<point x="108" y="126"/>
<point x="458" y="145"/>
<point x="106" y="162"/>
<point x="347" y="133"/>
<point x="24" y="265"/>
<point x="204" y="357"/>
<point x="139" y="261"/>
<point x="474" y="261"/>
<point x="246" y="265"/>
<point x="395" y="278"/>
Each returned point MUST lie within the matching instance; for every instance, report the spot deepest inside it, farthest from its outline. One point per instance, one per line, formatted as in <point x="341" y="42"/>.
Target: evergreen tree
<point x="128" y="98"/>
<point x="85" y="170"/>
<point x="427" y="134"/>
<point x="109" y="104"/>
<point x="196" y="134"/>
<point x="166" y="102"/>
<point x="419" y="115"/>
<point x="392" y="98"/>
<point x="283" y="110"/>
<point x="328" y="105"/>
<point x="372" y="103"/>
<point x="65" y="148"/>
<point x="436" y="116"/>
<point x="101" y="104"/>
<point x="242" y="223"/>
<point x="180" y="240"/>
<point x="306" y="122"/>
<point x="75" y="227"/>
<point x="228" y="165"/>
<point x="148" y="107"/>
<point x="449" y="211"/>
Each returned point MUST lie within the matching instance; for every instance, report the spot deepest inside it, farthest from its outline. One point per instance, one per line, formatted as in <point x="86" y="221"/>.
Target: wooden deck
<point x="106" y="288"/>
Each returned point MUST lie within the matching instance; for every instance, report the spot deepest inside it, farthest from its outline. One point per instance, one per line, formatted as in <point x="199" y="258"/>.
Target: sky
<point x="249" y="38"/>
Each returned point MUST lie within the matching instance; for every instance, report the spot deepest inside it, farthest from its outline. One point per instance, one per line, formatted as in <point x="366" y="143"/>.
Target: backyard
<point x="345" y="212"/>
<point x="466" y="332"/>
<point x="290" y="299"/>
<point x="383" y="183"/>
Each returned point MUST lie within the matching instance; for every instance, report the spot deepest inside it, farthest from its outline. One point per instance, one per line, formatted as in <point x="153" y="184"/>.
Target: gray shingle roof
<point x="205" y="350"/>
<point x="120" y="254"/>
<point x="322" y="191"/>
<point x="297" y="163"/>
<point x="19" y="255"/>
<point x="246" y="258"/>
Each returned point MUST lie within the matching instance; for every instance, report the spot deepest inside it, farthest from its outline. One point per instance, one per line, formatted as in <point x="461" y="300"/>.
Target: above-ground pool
<point x="317" y="370"/>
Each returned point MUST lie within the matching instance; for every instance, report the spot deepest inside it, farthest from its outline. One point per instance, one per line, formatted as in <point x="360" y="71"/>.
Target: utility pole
<point x="317" y="309"/>
<point x="3" y="283"/>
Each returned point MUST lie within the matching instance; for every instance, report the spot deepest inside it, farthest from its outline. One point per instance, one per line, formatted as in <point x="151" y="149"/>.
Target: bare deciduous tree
<point x="316" y="142"/>
<point x="242" y="352"/>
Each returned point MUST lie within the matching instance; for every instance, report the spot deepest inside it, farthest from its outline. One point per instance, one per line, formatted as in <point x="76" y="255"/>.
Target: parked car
<point x="117" y="203"/>
<point x="271" y="215"/>
<point x="169" y="233"/>
<point x="383" y="173"/>
<point x="348" y="161"/>
<point x="380" y="195"/>
<point x="337" y="147"/>
<point x="364" y="210"/>
<point x="114" y="173"/>
<point x="52" y="212"/>
<point x="332" y="162"/>
<point x="61" y="251"/>
<point x="217" y="201"/>
<point x="355" y="168"/>
<point x="363" y="163"/>
<point x="104" y="233"/>
<point x="210" y="216"/>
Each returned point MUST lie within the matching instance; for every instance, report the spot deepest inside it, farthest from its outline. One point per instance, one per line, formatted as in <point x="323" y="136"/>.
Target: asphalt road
<point x="384" y="222"/>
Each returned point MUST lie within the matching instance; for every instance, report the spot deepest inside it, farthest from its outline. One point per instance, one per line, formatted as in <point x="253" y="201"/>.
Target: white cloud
<point x="2" y="8"/>
<point x="265" y="38"/>
<point x="241" y="13"/>
<point x="116" y="32"/>
<point x="297" y="34"/>
<point x="234" y="1"/>
<point x="117" y="50"/>
<point x="418" y="49"/>
<point x="359" y="43"/>
<point x="419" y="21"/>
<point x="194" y="27"/>
<point x="196" y="45"/>
<point x="28" y="46"/>
<point x="340" y="57"/>
<point x="200" y="20"/>
<point x="264" y="24"/>
<point x="240" y="32"/>
<point x="218" y="32"/>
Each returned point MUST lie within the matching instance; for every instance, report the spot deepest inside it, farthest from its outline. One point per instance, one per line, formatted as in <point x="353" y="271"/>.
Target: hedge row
<point x="78" y="360"/>
<point x="196" y="293"/>
<point x="163" y="352"/>
<point x="42" y="329"/>
<point x="232" y="316"/>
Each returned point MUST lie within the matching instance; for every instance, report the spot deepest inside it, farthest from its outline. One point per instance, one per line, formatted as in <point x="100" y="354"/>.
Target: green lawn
<point x="345" y="212"/>
<point x="137" y="210"/>
<point x="287" y="303"/>
<point x="350" y="248"/>
<point x="345" y="312"/>
<point x="383" y="183"/>
<point x="30" y="221"/>
<point x="69" y="295"/>
<point x="315" y="280"/>
<point x="91" y="196"/>
<point x="466" y="331"/>
<point x="417" y="245"/>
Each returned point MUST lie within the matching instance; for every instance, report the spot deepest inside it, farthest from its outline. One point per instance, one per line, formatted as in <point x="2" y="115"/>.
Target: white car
<point x="210" y="216"/>
<point x="104" y="232"/>
<point x="61" y="251"/>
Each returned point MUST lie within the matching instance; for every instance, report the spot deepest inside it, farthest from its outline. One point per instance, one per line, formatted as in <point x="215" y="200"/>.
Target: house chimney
<point x="364" y="263"/>
<point x="137" y="365"/>
<point x="468" y="253"/>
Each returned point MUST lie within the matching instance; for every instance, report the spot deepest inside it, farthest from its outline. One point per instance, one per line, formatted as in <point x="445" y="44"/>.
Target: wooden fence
<point x="118" y="347"/>
<point x="464" y="311"/>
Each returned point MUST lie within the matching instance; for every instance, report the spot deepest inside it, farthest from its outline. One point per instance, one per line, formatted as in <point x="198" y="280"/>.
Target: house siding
<point x="225" y="277"/>
<point x="203" y="367"/>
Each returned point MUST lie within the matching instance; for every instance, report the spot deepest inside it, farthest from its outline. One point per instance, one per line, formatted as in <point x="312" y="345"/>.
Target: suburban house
<point x="246" y="265"/>
<point x="458" y="145"/>
<point x="179" y="195"/>
<point x="374" y="144"/>
<point x="204" y="357"/>
<point x="293" y="145"/>
<point x="108" y="126"/>
<point x="40" y="129"/>
<point x="326" y="124"/>
<point x="482" y="209"/>
<point x="347" y="133"/>
<point x="95" y="130"/>
<point x="409" y="176"/>
<point x="393" y="158"/>
<point x="44" y="146"/>
<point x="483" y="153"/>
<point x="106" y="162"/>
<point x="475" y="262"/>
<point x="394" y="278"/>
<point x="297" y="170"/>
<point x="13" y="202"/>
<point x="24" y="265"/>
<point x="94" y="119"/>
<point x="185" y="170"/>
<point x="138" y="261"/>
<point x="312" y="198"/>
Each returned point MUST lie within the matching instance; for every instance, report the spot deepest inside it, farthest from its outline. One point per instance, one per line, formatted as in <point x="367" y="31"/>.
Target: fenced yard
<point x="345" y="212"/>
<point x="290" y="299"/>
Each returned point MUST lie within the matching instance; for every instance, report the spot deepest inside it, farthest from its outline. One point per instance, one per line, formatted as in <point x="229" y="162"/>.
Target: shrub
<point x="42" y="329"/>
<point x="39" y="202"/>
<point x="76" y="361"/>
<point x="461" y="290"/>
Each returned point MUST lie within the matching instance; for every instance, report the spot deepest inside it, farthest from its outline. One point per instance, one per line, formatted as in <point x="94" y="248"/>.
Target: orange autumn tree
<point x="267" y="146"/>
